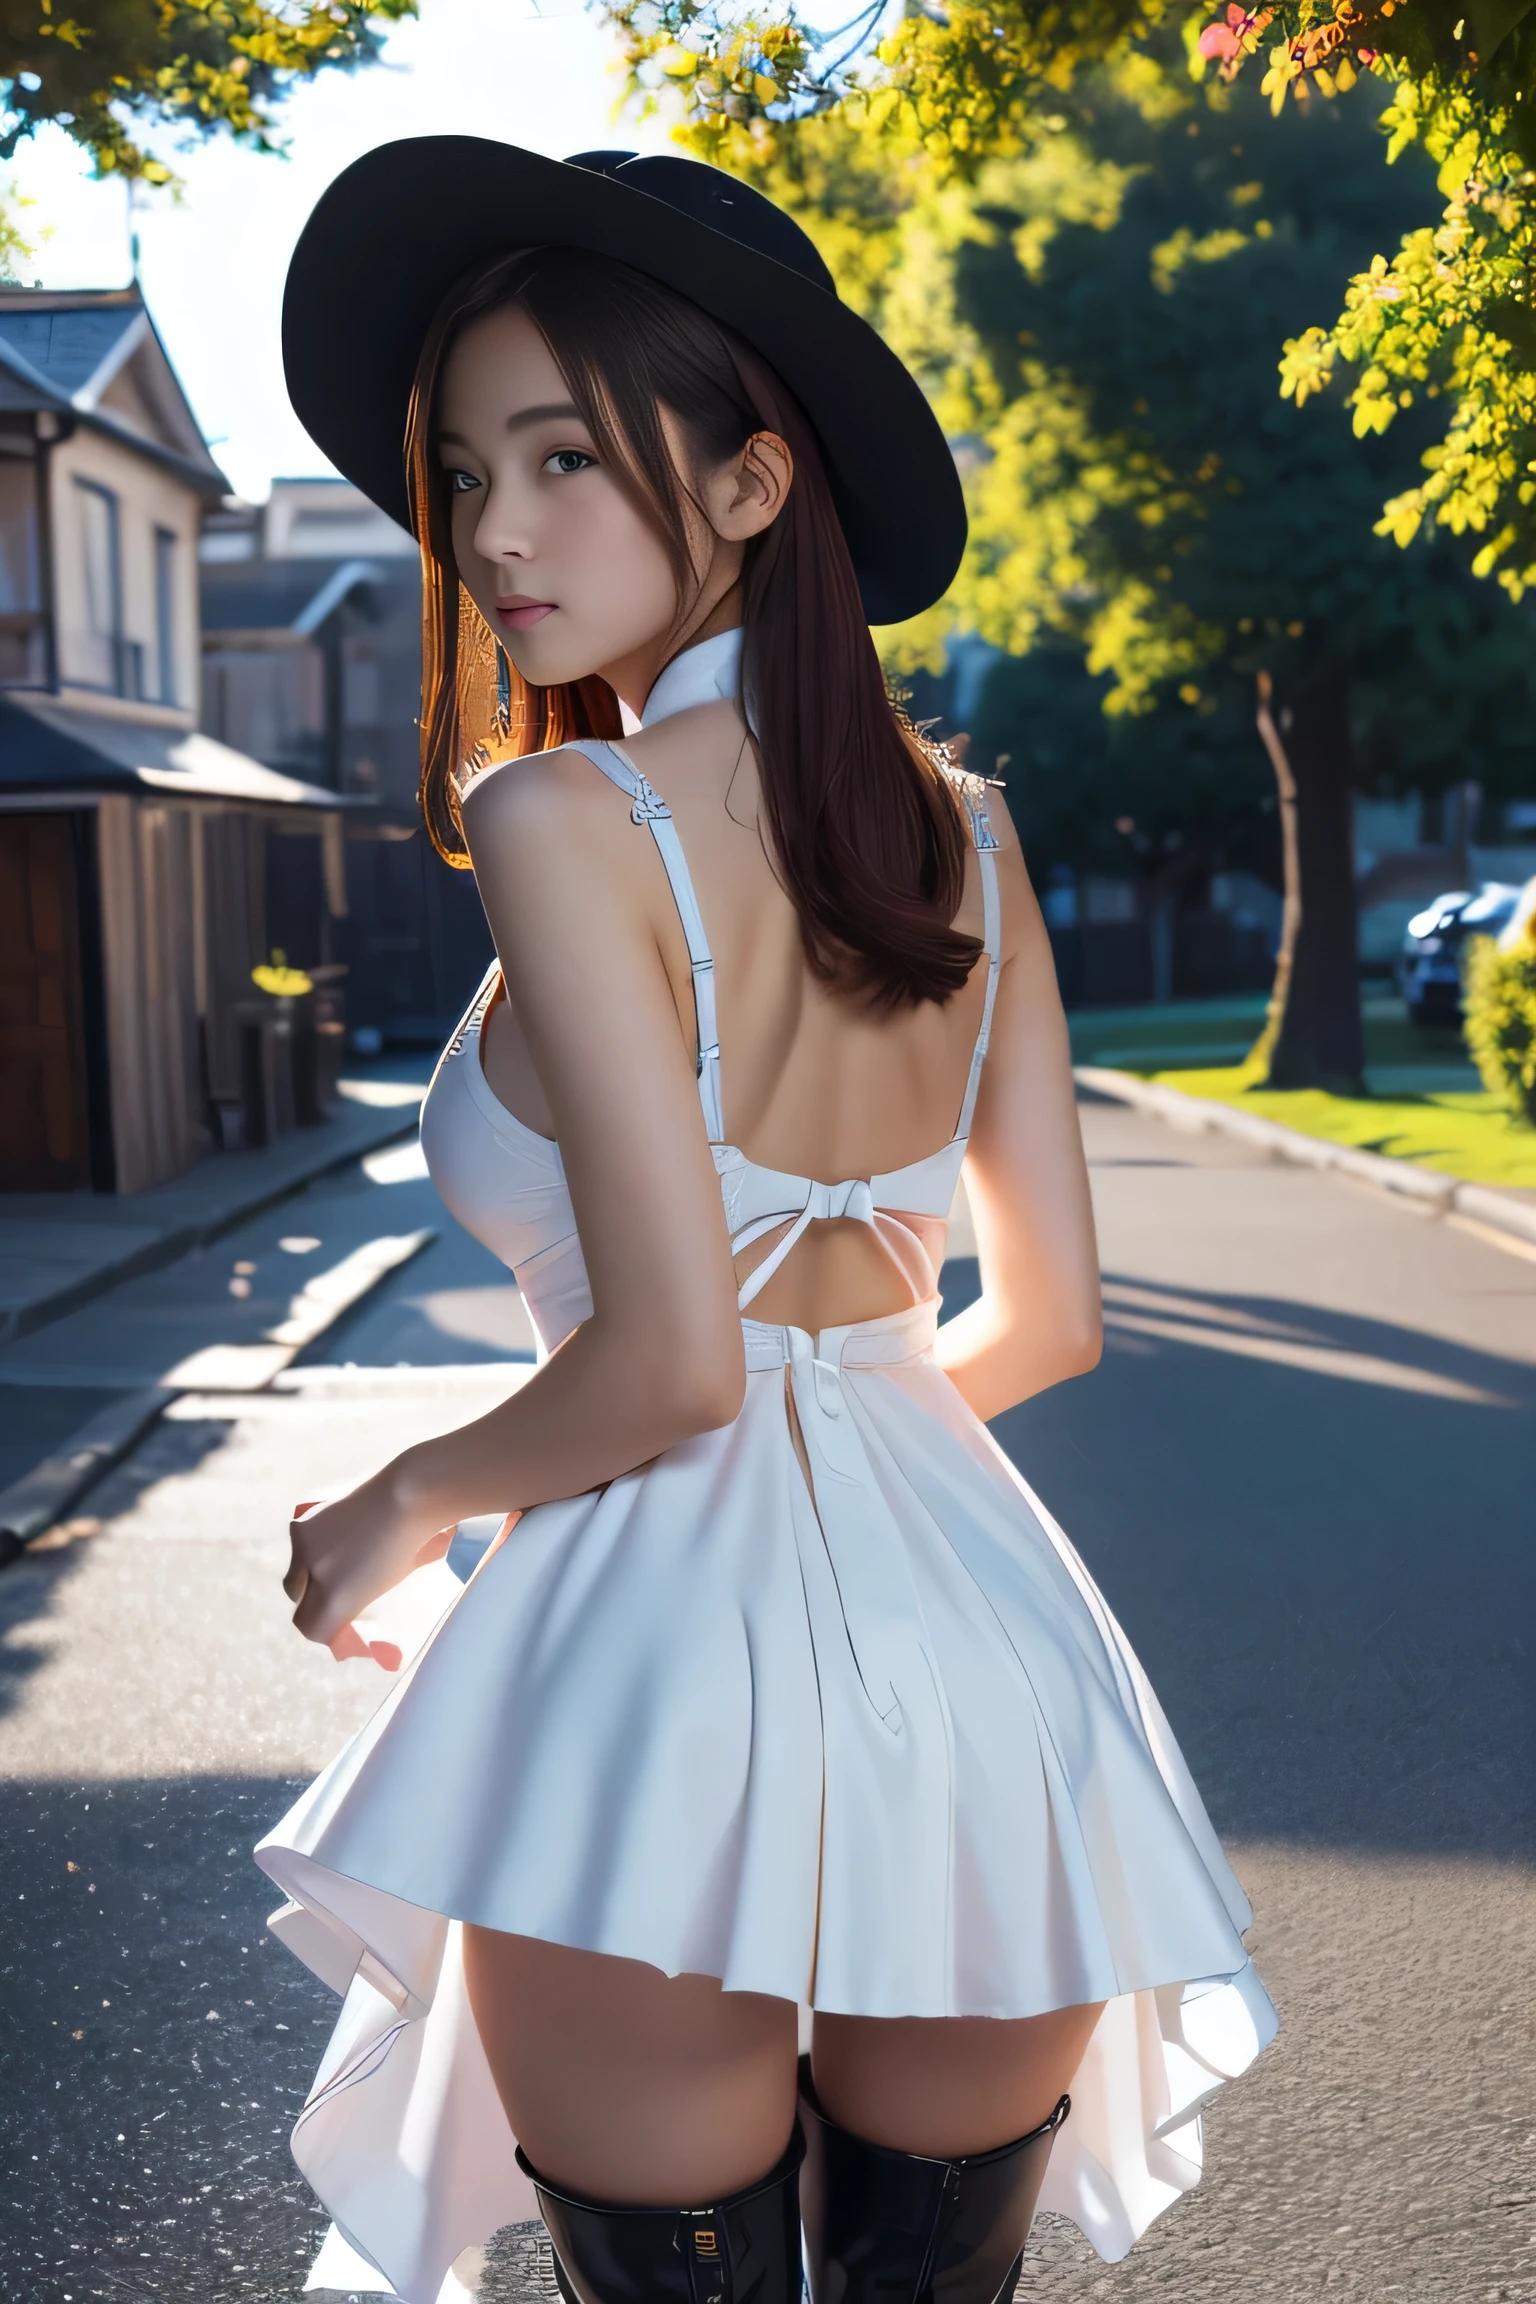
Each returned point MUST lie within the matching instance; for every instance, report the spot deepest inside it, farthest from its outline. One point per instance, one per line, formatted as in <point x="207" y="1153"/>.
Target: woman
<point x="780" y="1697"/>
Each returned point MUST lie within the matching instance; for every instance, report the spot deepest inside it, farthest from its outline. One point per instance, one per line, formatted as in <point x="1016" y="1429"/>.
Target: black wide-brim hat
<point x="400" y="226"/>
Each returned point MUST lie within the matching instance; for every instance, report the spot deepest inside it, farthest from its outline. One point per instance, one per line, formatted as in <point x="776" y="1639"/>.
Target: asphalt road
<point x="1302" y="1474"/>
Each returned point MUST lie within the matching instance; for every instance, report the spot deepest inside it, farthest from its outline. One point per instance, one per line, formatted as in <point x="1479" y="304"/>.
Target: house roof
<point x="281" y="595"/>
<point x="68" y="343"/>
<point x="46" y="747"/>
<point x="94" y="354"/>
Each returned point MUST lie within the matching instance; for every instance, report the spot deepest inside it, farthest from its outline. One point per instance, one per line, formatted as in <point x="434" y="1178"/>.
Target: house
<point x="311" y="619"/>
<point x="133" y="847"/>
<point x="311" y="610"/>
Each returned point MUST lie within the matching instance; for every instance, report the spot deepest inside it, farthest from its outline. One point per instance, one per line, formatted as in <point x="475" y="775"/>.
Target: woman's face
<point x="553" y="552"/>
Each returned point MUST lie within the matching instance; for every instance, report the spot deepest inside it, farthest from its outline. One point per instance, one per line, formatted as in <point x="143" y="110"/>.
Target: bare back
<point x="813" y="1083"/>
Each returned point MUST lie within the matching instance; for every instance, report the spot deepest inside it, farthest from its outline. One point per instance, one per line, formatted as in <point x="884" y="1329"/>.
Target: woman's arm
<point x="1038" y="1317"/>
<point x="575" y="896"/>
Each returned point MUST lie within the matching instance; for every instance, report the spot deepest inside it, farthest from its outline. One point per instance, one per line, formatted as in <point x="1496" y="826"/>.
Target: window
<point x="18" y="535"/>
<point x="102" y="650"/>
<point x="23" y="649"/>
<point x="165" y="612"/>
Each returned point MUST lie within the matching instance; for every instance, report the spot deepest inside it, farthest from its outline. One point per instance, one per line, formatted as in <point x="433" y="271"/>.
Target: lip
<point x="520" y="611"/>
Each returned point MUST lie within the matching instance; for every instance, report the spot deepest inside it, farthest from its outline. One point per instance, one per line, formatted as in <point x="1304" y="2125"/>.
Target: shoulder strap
<point x="648" y="807"/>
<point x="974" y="794"/>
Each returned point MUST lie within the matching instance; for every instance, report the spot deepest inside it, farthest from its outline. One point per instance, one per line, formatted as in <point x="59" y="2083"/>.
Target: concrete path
<point x="60" y="1249"/>
<point x="269" y="1226"/>
<point x="1302" y="1476"/>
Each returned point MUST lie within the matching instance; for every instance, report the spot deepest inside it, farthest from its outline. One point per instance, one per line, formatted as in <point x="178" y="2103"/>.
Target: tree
<point x="105" y="69"/>
<point x="1168" y="798"/>
<point x="16" y="249"/>
<point x="1120" y="292"/>
<point x="1453" y="314"/>
<point x="1451" y="317"/>
<point x="1097" y="317"/>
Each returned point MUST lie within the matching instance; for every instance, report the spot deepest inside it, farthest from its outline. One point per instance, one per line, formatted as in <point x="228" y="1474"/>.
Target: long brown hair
<point x="864" y="826"/>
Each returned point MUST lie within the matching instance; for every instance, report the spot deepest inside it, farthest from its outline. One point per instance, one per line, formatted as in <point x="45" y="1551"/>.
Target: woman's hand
<point x="345" y="1554"/>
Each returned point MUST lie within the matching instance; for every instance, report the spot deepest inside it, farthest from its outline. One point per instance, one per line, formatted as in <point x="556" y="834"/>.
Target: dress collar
<point x="700" y="675"/>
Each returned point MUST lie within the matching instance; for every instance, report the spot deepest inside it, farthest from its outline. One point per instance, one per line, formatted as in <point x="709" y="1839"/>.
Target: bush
<point x="1499" y="997"/>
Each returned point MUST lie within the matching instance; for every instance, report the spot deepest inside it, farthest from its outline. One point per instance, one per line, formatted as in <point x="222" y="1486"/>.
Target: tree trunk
<point x="1162" y="913"/>
<point x="1290" y="916"/>
<point x="1313" y="1037"/>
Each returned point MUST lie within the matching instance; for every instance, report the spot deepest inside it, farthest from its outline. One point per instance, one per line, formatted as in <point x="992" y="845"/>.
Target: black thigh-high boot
<point x="742" y="2250"/>
<point x="884" y="2227"/>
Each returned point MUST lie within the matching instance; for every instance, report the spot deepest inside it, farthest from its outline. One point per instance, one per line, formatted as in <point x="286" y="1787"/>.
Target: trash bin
<point x="266" y="1069"/>
<point x="319" y="1039"/>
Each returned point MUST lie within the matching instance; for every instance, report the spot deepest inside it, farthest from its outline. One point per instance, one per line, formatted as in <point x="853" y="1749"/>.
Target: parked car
<point x="1520" y="928"/>
<point x="1429" y="971"/>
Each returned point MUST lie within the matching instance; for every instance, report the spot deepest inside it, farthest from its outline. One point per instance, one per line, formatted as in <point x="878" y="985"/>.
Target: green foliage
<point x="1450" y="317"/>
<point x="1099" y="317"/>
<point x="1499" y="996"/>
<point x="961" y="86"/>
<point x="1453" y="314"/>
<point x="1096" y="318"/>
<point x="104" y="69"/>
<point x="16" y="249"/>
<point x="725" y="68"/>
<point x="1140" y="797"/>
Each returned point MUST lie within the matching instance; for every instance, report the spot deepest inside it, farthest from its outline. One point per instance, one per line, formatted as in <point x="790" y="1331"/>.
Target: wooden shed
<point x="134" y="906"/>
<point x="135" y="851"/>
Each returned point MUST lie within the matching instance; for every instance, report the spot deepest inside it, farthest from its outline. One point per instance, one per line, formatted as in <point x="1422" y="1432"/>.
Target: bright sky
<point x="212" y="264"/>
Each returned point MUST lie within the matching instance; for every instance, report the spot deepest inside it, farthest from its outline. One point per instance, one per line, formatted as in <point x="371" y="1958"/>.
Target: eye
<point x="569" y="460"/>
<point x="460" y="483"/>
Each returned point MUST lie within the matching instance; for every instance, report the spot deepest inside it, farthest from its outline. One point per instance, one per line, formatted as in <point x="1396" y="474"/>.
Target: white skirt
<point x="877" y="1747"/>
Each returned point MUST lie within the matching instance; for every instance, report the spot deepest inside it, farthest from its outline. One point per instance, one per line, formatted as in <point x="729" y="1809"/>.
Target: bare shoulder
<point x="1023" y="929"/>
<point x="984" y="804"/>
<point x="1010" y="848"/>
<point x="524" y="815"/>
<point x="992" y="827"/>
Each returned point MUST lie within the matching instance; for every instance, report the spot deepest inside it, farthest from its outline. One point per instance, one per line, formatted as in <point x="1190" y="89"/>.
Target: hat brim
<point x="401" y="225"/>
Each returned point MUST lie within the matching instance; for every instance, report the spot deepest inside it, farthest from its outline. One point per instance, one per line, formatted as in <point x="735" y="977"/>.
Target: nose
<point x="503" y="530"/>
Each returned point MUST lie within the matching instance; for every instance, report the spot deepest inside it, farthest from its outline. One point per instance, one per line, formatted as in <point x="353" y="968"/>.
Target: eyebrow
<point x="546" y="412"/>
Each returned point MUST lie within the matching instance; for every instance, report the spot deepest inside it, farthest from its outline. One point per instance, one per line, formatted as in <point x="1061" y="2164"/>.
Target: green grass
<point x="1429" y="1105"/>
<point x="1183" y="1032"/>
<point x="1465" y="1133"/>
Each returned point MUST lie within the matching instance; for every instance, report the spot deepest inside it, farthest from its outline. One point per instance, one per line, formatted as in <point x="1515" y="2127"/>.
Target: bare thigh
<point x="625" y="2085"/>
<point x="946" y="2086"/>
<point x="628" y="2086"/>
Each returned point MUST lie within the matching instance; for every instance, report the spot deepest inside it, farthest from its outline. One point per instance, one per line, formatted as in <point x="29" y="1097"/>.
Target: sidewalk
<point x="1507" y="1209"/>
<point x="59" y="1249"/>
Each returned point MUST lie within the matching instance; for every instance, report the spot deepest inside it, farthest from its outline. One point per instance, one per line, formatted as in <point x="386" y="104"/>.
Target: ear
<point x="750" y="491"/>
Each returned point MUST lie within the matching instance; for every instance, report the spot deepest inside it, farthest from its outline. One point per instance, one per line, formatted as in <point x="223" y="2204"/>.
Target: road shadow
<point x="1317" y="1532"/>
<point x="155" y="2045"/>
<point x="30" y="1583"/>
<point x="38" y="1419"/>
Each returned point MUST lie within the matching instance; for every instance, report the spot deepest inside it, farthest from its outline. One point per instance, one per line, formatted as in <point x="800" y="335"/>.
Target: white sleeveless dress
<point x="875" y="1746"/>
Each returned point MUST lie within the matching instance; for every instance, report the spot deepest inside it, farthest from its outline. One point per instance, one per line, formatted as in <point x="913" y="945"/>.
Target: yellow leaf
<point x="282" y="983"/>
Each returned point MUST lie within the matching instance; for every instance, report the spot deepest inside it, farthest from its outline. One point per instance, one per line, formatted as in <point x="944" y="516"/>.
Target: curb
<point x="31" y="1505"/>
<point x="1432" y="1188"/>
<point x="34" y="1502"/>
<point x="198" y="1231"/>
<point x="1487" y="1207"/>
